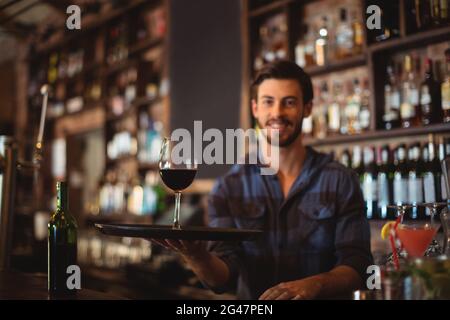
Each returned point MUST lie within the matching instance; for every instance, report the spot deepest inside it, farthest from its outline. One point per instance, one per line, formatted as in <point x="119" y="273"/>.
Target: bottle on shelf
<point x="369" y="182"/>
<point x="364" y="115"/>
<point x="422" y="14"/>
<point x="358" y="33"/>
<point x="346" y="159"/>
<point x="385" y="175"/>
<point x="400" y="179"/>
<point x="320" y="113"/>
<point x="445" y="89"/>
<point x="334" y="110"/>
<point x="353" y="108"/>
<point x="430" y="96"/>
<point x="304" y="50"/>
<point x="415" y="180"/>
<point x="344" y="36"/>
<point x="391" y="116"/>
<point x="356" y="162"/>
<point x="62" y="243"/>
<point x="431" y="173"/>
<point x="410" y="97"/>
<point x="322" y="43"/>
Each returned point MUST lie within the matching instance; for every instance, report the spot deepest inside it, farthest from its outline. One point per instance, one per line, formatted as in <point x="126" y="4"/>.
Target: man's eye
<point x="267" y="102"/>
<point x="291" y="103"/>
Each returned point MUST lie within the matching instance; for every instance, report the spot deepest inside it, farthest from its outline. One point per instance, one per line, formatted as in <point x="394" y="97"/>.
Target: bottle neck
<point x="61" y="198"/>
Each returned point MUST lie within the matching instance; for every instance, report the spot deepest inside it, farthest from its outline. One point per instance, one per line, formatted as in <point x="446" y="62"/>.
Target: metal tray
<point x="185" y="233"/>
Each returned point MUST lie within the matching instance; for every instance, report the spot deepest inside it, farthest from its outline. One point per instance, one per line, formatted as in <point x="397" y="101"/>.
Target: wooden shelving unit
<point x="374" y="57"/>
<point x="94" y="39"/>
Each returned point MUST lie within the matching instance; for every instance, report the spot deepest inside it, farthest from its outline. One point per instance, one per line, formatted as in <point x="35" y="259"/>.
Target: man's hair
<point x="284" y="69"/>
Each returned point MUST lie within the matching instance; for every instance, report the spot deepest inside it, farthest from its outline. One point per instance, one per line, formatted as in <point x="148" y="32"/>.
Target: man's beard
<point x="291" y="138"/>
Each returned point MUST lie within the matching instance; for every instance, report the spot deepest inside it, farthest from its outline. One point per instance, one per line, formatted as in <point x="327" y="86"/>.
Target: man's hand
<point x="209" y="268"/>
<point x="307" y="289"/>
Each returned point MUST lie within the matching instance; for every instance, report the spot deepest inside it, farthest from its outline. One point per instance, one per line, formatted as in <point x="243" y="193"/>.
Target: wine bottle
<point x="62" y="243"/>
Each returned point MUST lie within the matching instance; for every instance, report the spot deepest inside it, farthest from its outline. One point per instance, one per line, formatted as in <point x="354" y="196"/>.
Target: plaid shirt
<point x="319" y="225"/>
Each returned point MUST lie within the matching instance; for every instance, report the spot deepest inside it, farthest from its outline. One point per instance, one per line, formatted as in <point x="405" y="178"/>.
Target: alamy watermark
<point x="251" y="146"/>
<point x="73" y="21"/>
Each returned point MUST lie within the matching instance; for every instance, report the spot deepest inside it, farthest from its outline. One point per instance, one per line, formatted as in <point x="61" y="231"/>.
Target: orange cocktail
<point x="416" y="238"/>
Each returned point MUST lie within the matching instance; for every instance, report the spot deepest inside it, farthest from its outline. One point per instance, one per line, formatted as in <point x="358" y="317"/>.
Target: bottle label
<point x="364" y="118"/>
<point x="400" y="189"/>
<point x="414" y="97"/>
<point x="395" y="100"/>
<point x="415" y="191"/>
<point x="333" y="117"/>
<point x="428" y="187"/>
<point x="407" y="111"/>
<point x="369" y="187"/>
<point x="425" y="98"/>
<point x="383" y="189"/>
<point x="446" y="95"/>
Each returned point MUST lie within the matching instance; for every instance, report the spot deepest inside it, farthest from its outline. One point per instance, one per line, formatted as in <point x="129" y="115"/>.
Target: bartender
<point x="316" y="240"/>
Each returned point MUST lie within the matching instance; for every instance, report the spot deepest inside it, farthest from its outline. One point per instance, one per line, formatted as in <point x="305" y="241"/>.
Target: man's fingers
<point x="286" y="295"/>
<point x="158" y="242"/>
<point x="175" y="245"/>
<point x="271" y="294"/>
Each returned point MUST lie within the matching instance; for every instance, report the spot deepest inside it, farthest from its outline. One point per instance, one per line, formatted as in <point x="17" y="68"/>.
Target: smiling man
<point x="317" y="240"/>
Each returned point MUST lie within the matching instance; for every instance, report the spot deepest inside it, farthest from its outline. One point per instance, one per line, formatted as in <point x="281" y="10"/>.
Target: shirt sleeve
<point x="229" y="252"/>
<point x="352" y="239"/>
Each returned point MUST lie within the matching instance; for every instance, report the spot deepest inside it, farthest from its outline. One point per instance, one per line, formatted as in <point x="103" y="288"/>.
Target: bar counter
<point x="23" y="286"/>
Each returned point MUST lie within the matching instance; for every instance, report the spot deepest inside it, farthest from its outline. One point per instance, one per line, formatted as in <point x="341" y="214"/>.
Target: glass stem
<point x="176" y="214"/>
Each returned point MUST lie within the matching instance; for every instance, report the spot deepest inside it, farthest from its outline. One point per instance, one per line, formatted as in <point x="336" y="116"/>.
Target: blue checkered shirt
<point x="319" y="225"/>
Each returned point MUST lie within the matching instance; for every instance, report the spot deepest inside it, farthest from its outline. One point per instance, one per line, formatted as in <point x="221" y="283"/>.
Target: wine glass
<point x="177" y="172"/>
<point x="434" y="248"/>
<point x="415" y="235"/>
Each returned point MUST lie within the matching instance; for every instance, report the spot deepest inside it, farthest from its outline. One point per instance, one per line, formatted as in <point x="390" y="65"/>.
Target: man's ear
<point x="307" y="107"/>
<point x="254" y="107"/>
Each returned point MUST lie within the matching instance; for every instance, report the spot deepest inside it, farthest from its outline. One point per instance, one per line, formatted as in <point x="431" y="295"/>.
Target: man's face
<point x="279" y="106"/>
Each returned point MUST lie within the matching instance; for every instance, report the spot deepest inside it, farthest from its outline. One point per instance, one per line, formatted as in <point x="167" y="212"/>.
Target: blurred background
<point x="137" y="70"/>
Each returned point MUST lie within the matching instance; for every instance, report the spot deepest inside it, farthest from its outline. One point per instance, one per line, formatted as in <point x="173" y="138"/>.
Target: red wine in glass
<point x="177" y="174"/>
<point x="177" y="179"/>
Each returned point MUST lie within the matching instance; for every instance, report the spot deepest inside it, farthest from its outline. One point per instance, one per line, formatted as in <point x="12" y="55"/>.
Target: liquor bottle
<point x="415" y="180"/>
<point x="358" y="32"/>
<point x="369" y="183"/>
<point x="320" y="114"/>
<point x="346" y="159"/>
<point x="321" y="43"/>
<point x="391" y="116"/>
<point x="304" y="50"/>
<point x="431" y="174"/>
<point x="445" y="89"/>
<point x="422" y="14"/>
<point x="400" y="180"/>
<point x="353" y="108"/>
<point x="344" y="36"/>
<point x="385" y="177"/>
<point x="364" y="114"/>
<point x="410" y="97"/>
<point x="356" y="163"/>
<point x="62" y="243"/>
<point x="430" y="96"/>
<point x="334" y="110"/>
<point x="435" y="14"/>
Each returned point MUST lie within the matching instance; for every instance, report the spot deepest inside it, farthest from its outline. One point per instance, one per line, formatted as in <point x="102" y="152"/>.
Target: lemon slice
<point x="386" y="229"/>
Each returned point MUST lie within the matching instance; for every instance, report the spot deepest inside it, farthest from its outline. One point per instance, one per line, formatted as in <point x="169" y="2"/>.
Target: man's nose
<point x="277" y="109"/>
